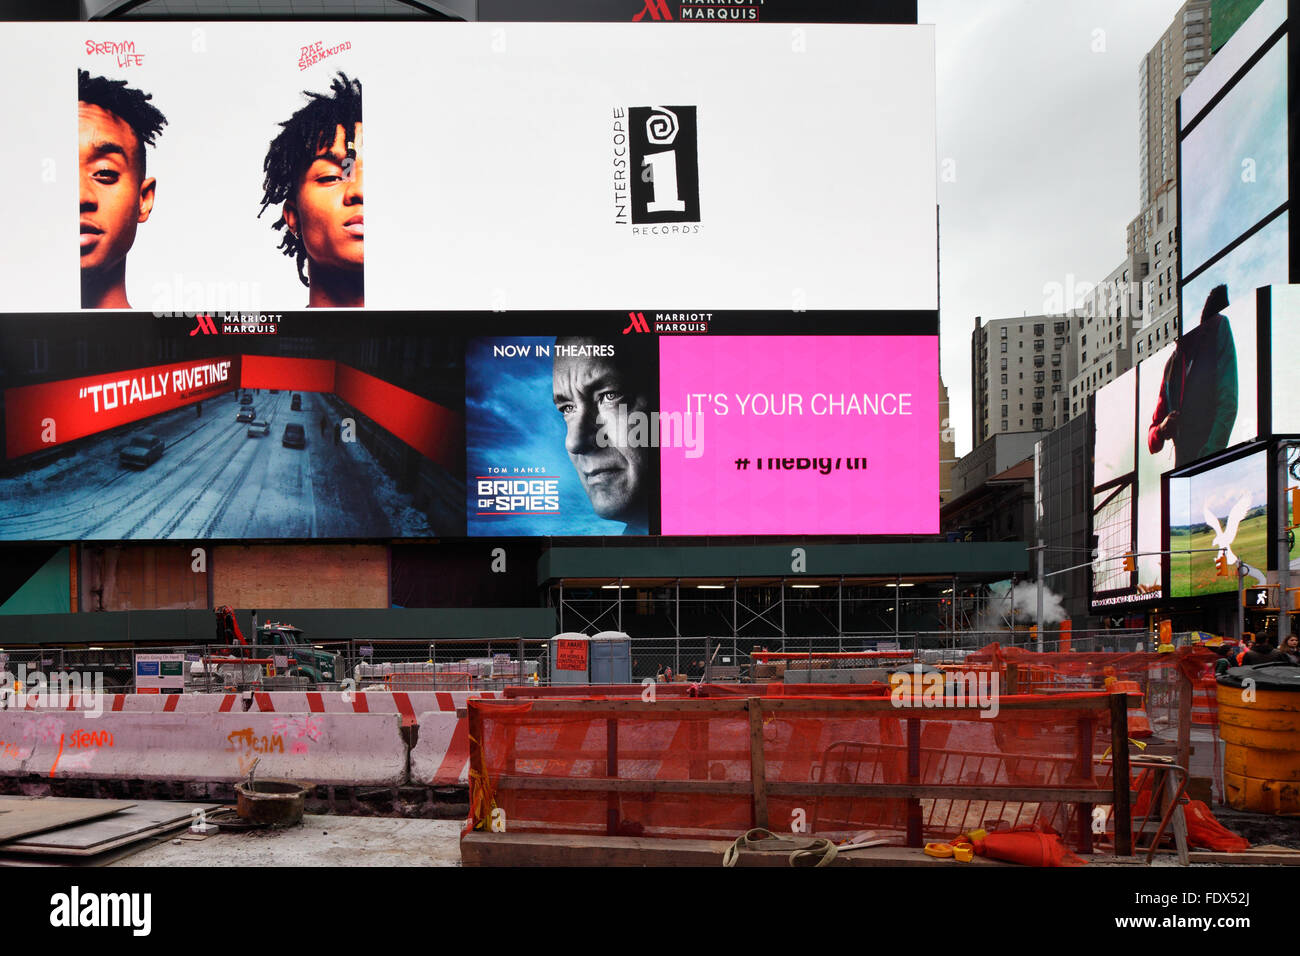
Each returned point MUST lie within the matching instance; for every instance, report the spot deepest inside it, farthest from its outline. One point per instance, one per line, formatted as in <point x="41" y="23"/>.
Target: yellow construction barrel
<point x="1259" y="722"/>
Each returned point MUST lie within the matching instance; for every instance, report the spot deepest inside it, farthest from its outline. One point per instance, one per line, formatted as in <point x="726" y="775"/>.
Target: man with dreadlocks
<point x="115" y="124"/>
<point x="314" y="168"/>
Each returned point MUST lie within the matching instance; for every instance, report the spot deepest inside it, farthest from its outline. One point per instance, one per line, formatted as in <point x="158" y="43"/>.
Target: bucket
<point x="276" y="803"/>
<point x="1259" y="717"/>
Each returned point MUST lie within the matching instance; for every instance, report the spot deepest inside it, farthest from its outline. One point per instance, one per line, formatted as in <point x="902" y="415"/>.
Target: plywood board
<point x="24" y="816"/>
<point x="147" y="818"/>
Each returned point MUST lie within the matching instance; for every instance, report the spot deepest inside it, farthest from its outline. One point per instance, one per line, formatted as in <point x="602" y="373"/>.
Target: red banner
<point x="42" y="416"/>
<point x="289" y="374"/>
<point x="430" y="429"/>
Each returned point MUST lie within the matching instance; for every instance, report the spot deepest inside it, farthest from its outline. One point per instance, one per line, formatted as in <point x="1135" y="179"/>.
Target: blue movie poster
<point x="549" y="448"/>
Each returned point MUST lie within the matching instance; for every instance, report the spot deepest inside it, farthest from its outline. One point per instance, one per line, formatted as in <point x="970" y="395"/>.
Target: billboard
<point x="1218" y="521"/>
<point x="1282" y="305"/>
<point x="566" y="166"/>
<point x="326" y="427"/>
<point x="1115" y="490"/>
<point x="801" y="434"/>
<point x="1234" y="170"/>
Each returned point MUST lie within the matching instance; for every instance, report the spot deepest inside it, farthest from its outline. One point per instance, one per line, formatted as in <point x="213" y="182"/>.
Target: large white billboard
<point x="499" y="167"/>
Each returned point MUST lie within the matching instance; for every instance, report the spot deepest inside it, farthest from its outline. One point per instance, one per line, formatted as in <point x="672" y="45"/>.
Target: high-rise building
<point x="947" y="445"/>
<point x="1164" y="73"/>
<point x="1105" y="324"/>
<point x="1019" y="367"/>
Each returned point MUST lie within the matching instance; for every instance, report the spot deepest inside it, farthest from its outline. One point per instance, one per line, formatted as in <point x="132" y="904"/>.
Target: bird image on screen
<point x="1226" y="533"/>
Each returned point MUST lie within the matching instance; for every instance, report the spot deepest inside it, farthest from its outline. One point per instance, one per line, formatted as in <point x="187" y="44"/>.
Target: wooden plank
<point x="1185" y="692"/>
<point x="757" y="765"/>
<point x="25" y="816"/>
<point x="727" y="705"/>
<point x="1247" y="857"/>
<point x="880" y="790"/>
<point x="1120" y="777"/>
<point x="602" y="784"/>
<point x="1178" y="820"/>
<point x="548" y="849"/>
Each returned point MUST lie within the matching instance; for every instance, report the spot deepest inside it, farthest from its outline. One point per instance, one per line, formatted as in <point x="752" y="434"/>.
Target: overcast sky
<point x="1043" y="135"/>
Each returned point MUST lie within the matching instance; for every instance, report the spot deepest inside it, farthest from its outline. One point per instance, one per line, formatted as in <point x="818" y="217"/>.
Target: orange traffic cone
<point x="1138" y="724"/>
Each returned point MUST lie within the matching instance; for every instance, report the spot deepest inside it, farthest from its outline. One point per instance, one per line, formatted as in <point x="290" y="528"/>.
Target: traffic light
<point x="1129" y="563"/>
<point x="1221" y="564"/>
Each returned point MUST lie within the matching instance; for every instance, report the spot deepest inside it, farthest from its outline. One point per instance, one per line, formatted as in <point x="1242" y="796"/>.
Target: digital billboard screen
<point x="1234" y="169"/>
<point x="1218" y="520"/>
<point x="1283" y="305"/>
<point x="324" y="427"/>
<point x="566" y="166"/>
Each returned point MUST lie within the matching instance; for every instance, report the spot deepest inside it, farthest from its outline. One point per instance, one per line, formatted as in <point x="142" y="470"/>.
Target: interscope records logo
<point x="657" y="170"/>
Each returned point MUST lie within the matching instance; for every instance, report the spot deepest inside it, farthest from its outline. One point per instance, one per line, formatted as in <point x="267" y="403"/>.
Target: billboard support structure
<point x="1283" y="543"/>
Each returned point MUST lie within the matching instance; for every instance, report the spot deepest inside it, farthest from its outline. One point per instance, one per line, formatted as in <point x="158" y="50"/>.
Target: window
<point x="1038" y="329"/>
<point x="1060" y="342"/>
<point x="1038" y="410"/>
<point x="1004" y="379"/>
<point x="1055" y="389"/>
<point x="1060" y="328"/>
<point x="1004" y="347"/>
<point x="1004" y="409"/>
<point x="1004" y="425"/>
<point x="1038" y="345"/>
<point x="1004" y="331"/>
<point x="1038" y="392"/>
<point x="1056" y="375"/>
<point x="1056" y="359"/>
<point x="1004" y="365"/>
<point x="1038" y="376"/>
<point x="1004" y="395"/>
<point x="1108" y="365"/>
<point x="1038" y="424"/>
<point x="1157" y="249"/>
<point x="1083" y="339"/>
<point x="1038" y="361"/>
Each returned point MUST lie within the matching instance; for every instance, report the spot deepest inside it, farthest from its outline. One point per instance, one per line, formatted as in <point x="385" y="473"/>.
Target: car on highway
<point x="259" y="429"/>
<point x="246" y="414"/>
<point x="142" y="451"/>
<point x="295" y="404"/>
<point x="294" y="437"/>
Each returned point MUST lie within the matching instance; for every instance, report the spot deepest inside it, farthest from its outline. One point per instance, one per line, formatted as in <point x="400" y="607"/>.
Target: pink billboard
<point x="799" y="434"/>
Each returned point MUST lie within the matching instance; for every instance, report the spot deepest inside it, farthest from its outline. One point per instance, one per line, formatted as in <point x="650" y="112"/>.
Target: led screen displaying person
<point x="114" y="123"/>
<point x="314" y="170"/>
<point x="1198" y="394"/>
<point x="599" y="388"/>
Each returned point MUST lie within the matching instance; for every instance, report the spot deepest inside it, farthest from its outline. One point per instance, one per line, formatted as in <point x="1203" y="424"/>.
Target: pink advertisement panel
<point x="799" y="434"/>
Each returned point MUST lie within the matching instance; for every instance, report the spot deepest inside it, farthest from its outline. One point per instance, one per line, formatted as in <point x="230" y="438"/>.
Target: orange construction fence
<point x="831" y="766"/>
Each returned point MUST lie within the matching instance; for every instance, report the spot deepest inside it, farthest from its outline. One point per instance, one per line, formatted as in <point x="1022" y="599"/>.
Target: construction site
<point x="645" y="497"/>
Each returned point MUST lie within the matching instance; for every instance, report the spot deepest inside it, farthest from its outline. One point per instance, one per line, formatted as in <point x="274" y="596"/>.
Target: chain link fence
<point x="456" y="664"/>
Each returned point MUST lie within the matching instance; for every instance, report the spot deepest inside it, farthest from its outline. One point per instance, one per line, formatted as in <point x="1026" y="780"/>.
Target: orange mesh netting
<point x="839" y="766"/>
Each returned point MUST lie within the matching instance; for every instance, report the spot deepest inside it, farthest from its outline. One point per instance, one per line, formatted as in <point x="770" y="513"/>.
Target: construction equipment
<point x="279" y="640"/>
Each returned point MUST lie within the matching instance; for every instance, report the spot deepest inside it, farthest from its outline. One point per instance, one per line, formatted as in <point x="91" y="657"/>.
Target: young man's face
<point x="588" y="393"/>
<point x="114" y="198"/>
<point x="326" y="209"/>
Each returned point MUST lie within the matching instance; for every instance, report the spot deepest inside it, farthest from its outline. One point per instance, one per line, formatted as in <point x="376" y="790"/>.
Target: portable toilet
<point x="611" y="658"/>
<point x="570" y="659"/>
